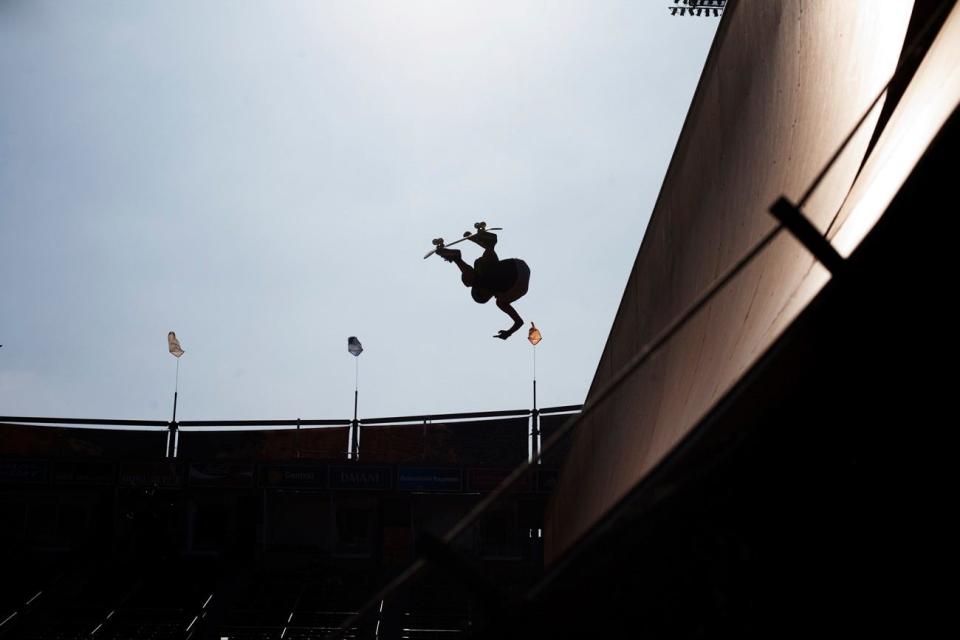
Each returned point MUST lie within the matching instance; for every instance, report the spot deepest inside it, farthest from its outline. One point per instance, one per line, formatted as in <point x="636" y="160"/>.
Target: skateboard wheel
<point x="437" y="242"/>
<point x="466" y="234"/>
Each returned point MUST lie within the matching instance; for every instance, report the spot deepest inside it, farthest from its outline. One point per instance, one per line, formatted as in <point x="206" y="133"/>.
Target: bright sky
<point x="264" y="178"/>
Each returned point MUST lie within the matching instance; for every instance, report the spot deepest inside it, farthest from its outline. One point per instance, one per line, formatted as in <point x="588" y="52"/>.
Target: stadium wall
<point x="783" y="86"/>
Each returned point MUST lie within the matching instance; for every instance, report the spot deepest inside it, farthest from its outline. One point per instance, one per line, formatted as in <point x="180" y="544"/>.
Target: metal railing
<point x="173" y="428"/>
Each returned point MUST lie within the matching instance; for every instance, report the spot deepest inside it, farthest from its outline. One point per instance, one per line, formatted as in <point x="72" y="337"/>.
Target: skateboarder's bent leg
<point x="466" y="271"/>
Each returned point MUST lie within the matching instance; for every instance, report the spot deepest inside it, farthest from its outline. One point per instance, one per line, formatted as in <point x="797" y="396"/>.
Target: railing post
<point x="173" y="429"/>
<point x="791" y="217"/>
<point x="535" y="424"/>
<point x="354" y="431"/>
<point x="297" y="439"/>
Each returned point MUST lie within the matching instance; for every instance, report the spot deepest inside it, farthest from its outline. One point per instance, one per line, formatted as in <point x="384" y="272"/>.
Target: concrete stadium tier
<point x="783" y="86"/>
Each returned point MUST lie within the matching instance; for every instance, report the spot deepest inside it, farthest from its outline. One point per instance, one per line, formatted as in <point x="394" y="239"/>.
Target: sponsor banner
<point x="220" y="445"/>
<point x="324" y="443"/>
<point x="397" y="443"/>
<point x="73" y="443"/>
<point x="429" y="479"/>
<point x="154" y="474"/>
<point x="221" y="474"/>
<point x="17" y="471"/>
<point x="357" y="476"/>
<point x="294" y="476"/>
<point x="111" y="444"/>
<point x="476" y="442"/>
<point x="327" y="443"/>
<point x="547" y="479"/>
<point x="83" y="472"/>
<point x="490" y="479"/>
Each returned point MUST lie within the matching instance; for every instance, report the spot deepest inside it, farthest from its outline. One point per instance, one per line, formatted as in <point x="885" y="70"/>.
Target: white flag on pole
<point x="174" y="345"/>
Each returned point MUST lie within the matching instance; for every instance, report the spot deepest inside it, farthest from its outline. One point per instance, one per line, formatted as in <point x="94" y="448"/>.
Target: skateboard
<point x="438" y="243"/>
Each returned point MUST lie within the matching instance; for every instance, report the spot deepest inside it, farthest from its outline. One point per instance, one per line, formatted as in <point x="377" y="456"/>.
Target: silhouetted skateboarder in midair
<point x="490" y="277"/>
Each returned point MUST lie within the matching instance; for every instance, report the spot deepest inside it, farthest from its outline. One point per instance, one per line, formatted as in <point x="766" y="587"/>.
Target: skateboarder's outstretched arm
<point x="508" y="309"/>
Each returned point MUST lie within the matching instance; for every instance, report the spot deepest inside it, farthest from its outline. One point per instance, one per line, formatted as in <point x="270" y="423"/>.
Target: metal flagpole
<point x="534" y="337"/>
<point x="176" y="387"/>
<point x="355" y="439"/>
<point x="173" y="433"/>
<point x="355" y="349"/>
<point x="536" y="413"/>
<point x="173" y="346"/>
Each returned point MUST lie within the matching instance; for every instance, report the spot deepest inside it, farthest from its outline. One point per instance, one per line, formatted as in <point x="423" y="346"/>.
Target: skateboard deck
<point x="438" y="243"/>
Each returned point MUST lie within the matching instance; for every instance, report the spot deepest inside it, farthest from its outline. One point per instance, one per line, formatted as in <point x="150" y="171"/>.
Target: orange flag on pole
<point x="174" y="345"/>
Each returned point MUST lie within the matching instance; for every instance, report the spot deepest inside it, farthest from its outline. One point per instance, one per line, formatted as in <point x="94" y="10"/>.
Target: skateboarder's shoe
<point x="485" y="239"/>
<point x="449" y="254"/>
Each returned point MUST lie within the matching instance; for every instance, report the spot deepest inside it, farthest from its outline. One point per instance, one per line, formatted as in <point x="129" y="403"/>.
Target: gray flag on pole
<point x="354" y="346"/>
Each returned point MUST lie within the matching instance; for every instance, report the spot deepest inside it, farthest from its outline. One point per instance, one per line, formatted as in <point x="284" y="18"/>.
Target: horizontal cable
<point x="262" y="423"/>
<point x="449" y="416"/>
<point x="566" y="409"/>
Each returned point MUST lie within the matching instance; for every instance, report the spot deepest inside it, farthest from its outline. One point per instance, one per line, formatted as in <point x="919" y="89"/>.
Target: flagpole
<point x="356" y="426"/>
<point x="534" y="337"/>
<point x="176" y="386"/>
<point x="173" y="346"/>
<point x="172" y="431"/>
<point x="536" y="413"/>
<point x="355" y="349"/>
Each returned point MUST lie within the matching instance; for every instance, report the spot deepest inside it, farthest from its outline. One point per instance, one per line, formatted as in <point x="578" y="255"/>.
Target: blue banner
<point x="429" y="479"/>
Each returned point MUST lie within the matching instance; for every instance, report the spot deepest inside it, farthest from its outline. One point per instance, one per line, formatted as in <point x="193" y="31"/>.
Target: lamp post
<point x="355" y="349"/>
<point x="534" y="337"/>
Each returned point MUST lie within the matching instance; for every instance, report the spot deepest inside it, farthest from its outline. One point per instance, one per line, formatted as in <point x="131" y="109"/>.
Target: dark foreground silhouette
<point x="490" y="277"/>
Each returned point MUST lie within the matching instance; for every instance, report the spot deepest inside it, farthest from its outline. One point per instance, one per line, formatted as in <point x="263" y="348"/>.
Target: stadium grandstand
<point x="132" y="529"/>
